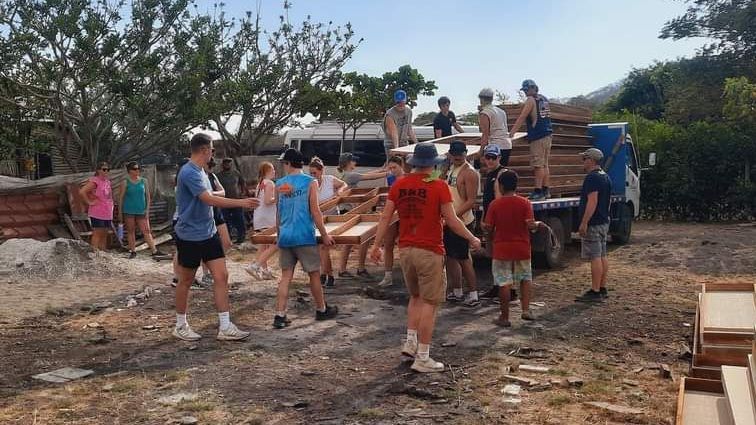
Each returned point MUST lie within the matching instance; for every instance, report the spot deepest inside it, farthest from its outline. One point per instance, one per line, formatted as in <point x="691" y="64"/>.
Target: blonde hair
<point x="263" y="170"/>
<point x="317" y="163"/>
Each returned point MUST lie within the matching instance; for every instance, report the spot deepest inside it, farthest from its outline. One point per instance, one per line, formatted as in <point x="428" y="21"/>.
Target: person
<point x="298" y="215"/>
<point x="263" y="219"/>
<point x="463" y="182"/>
<point x="134" y="209"/>
<point x="396" y="173"/>
<point x="595" y="197"/>
<point x="233" y="183"/>
<point x="397" y="124"/>
<point x="220" y="222"/>
<point x="346" y="168"/>
<point x="493" y="126"/>
<point x="98" y="195"/>
<point x="535" y="113"/>
<point x="328" y="187"/>
<point x="174" y="281"/>
<point x="197" y="240"/>
<point x="445" y="119"/>
<point x="422" y="202"/>
<point x="510" y="218"/>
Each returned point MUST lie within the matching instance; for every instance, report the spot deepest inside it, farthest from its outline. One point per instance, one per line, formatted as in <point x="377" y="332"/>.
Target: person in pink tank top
<point x="98" y="194"/>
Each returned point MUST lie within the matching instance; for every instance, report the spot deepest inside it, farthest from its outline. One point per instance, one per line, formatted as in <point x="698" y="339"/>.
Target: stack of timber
<point x="570" y="137"/>
<point x="722" y="385"/>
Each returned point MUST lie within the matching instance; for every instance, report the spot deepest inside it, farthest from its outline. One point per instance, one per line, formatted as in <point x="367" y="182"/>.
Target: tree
<point x="470" y="118"/>
<point x="281" y="74"/>
<point x="424" y="119"/>
<point x="731" y="23"/>
<point x="116" y="89"/>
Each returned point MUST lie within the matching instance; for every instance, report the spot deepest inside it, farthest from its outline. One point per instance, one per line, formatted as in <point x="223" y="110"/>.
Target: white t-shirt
<point x="264" y="216"/>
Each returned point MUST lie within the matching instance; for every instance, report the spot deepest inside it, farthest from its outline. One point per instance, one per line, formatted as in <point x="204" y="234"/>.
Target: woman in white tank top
<point x="264" y="217"/>
<point x="328" y="187"/>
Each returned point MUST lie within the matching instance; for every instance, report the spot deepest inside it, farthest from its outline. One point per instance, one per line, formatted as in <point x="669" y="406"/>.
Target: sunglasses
<point x="134" y="169"/>
<point x="490" y="156"/>
<point x="105" y="169"/>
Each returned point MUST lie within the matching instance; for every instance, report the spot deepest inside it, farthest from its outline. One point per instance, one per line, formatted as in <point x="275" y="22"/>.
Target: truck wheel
<point x="625" y="226"/>
<point x="551" y="257"/>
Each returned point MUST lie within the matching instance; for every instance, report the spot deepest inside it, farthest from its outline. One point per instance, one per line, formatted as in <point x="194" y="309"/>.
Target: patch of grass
<point x="124" y="387"/>
<point x="176" y="375"/>
<point x="600" y="366"/>
<point x="254" y="420"/>
<point x="196" y="406"/>
<point x="371" y="413"/>
<point x="560" y="372"/>
<point x="597" y="388"/>
<point x="559" y="400"/>
<point x="63" y="403"/>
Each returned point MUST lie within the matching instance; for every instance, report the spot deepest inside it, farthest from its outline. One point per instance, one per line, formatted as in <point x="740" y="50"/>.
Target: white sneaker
<point x="469" y="302"/>
<point x="255" y="271"/>
<point x="427" y="366"/>
<point x="387" y="281"/>
<point x="232" y="333"/>
<point x="409" y="348"/>
<point x="186" y="333"/>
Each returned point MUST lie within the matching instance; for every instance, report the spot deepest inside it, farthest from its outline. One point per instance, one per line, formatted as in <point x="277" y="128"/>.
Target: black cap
<point x="457" y="147"/>
<point x="292" y="156"/>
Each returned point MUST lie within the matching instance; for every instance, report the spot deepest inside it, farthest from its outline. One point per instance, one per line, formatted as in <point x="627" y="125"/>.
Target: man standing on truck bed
<point x="595" y="197"/>
<point x="493" y="125"/>
<point x="422" y="201"/>
<point x="537" y="116"/>
<point x="397" y="124"/>
<point x="445" y="119"/>
<point x="463" y="183"/>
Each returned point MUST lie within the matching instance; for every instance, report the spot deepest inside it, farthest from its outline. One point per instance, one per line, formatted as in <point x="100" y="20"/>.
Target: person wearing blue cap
<point x="397" y="124"/>
<point x="536" y="114"/>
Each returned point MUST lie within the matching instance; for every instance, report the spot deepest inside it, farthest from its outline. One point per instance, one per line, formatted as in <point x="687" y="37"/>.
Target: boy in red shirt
<point x="511" y="220"/>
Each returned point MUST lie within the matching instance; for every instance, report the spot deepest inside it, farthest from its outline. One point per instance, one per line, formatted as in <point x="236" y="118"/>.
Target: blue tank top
<point x="542" y="127"/>
<point x="134" y="200"/>
<point x="390" y="179"/>
<point x="296" y="227"/>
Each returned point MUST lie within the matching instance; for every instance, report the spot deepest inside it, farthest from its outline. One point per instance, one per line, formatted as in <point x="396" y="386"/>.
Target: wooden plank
<point x="165" y="237"/>
<point x="737" y="390"/>
<point x="442" y="149"/>
<point x="367" y="206"/>
<point x="752" y="373"/>
<point x="727" y="286"/>
<point x="71" y="228"/>
<point x="701" y="402"/>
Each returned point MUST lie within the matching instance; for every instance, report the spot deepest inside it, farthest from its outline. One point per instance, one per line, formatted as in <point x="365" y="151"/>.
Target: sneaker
<point x="346" y="275"/>
<point x="269" y="275"/>
<point x="330" y="281"/>
<point x="470" y="303"/>
<point x="491" y="293"/>
<point x="197" y="285"/>
<point x="207" y="280"/>
<point x="280" y="322"/>
<point x="454" y="298"/>
<point x="603" y="292"/>
<point x="255" y="271"/>
<point x="174" y="282"/>
<point x="364" y="274"/>
<point x="546" y="194"/>
<point x="132" y="255"/>
<point x="590" y="296"/>
<point x="185" y="333"/>
<point x="427" y="366"/>
<point x="496" y="301"/>
<point x="537" y="195"/>
<point x="409" y="349"/>
<point x="158" y="253"/>
<point x="329" y="313"/>
<point x="387" y="281"/>
<point x="503" y="323"/>
<point x="322" y="280"/>
<point x="232" y="333"/>
<point x="527" y="315"/>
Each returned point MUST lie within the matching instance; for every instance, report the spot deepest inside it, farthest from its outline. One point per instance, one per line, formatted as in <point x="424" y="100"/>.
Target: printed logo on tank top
<point x="544" y="110"/>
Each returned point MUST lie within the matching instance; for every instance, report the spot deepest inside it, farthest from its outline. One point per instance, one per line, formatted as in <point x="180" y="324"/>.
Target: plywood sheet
<point x="703" y="408"/>
<point x="442" y="149"/>
<point x="738" y="393"/>
<point x="728" y="311"/>
<point x="329" y="228"/>
<point x="359" y="229"/>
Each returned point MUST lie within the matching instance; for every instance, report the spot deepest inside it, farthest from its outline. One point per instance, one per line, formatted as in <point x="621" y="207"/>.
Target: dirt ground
<point x="348" y="370"/>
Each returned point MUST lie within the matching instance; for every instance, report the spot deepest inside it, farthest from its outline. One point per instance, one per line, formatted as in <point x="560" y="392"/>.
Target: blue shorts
<point x="100" y="224"/>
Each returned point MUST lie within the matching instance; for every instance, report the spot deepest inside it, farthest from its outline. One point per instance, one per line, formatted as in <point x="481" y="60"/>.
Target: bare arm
<point x="120" y="200"/>
<point x="484" y="124"/>
<point x="317" y="215"/>
<point x="221" y="202"/>
<point x="147" y="196"/>
<point x="472" y="182"/>
<point x="458" y="127"/>
<point x="590" y="208"/>
<point x="380" y="234"/>
<point x="373" y="175"/>
<point x="497" y="191"/>
<point x="456" y="225"/>
<point x="527" y="109"/>
<point x="437" y="133"/>
<point x="412" y="135"/>
<point x="84" y="192"/>
<point x="339" y="186"/>
<point x="221" y="191"/>
<point x="392" y="131"/>
<point x="269" y="194"/>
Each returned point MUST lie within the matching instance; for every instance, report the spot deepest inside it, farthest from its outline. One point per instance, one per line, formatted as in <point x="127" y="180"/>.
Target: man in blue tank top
<point x="537" y="116"/>
<point x="298" y="215"/>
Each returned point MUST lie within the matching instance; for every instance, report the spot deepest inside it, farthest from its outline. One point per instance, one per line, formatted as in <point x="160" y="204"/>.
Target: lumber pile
<point x="722" y="385"/>
<point x="570" y="137"/>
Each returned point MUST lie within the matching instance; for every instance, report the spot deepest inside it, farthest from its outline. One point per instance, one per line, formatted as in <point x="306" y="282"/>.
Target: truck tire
<point x="621" y="235"/>
<point x="551" y="257"/>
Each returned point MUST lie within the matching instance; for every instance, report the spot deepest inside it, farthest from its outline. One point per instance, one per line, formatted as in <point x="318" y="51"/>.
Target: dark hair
<point x="131" y="164"/>
<point x="508" y="180"/>
<point x="396" y="159"/>
<point x="443" y="100"/>
<point x="227" y="160"/>
<point x="211" y="164"/>
<point x="199" y="141"/>
<point x="100" y="165"/>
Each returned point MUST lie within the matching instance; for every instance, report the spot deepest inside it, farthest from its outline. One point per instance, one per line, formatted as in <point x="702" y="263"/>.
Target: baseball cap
<point x="486" y="92"/>
<point x="528" y="84"/>
<point x="492" y="150"/>
<point x="347" y="157"/>
<point x="400" y="96"/>
<point x="425" y="155"/>
<point x="457" y="147"/>
<point x="593" y="154"/>
<point x="292" y="155"/>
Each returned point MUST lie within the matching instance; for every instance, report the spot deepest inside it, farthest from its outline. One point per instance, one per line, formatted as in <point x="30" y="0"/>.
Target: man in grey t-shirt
<point x="397" y="124"/>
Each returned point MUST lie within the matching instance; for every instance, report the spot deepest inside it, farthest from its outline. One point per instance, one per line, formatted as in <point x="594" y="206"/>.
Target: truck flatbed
<point x="558" y="203"/>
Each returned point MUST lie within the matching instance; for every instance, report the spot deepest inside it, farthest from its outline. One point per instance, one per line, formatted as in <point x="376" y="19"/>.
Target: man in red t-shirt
<point x="422" y="200"/>
<point x="510" y="217"/>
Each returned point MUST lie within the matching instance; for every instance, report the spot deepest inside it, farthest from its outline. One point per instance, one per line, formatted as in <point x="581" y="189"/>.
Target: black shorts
<point x="456" y="246"/>
<point x="218" y="216"/>
<point x="504" y="160"/>
<point x="192" y="253"/>
<point x="98" y="223"/>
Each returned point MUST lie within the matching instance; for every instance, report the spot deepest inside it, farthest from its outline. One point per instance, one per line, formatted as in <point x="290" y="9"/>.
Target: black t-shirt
<point x="597" y="181"/>
<point x="444" y="123"/>
<point x="489" y="190"/>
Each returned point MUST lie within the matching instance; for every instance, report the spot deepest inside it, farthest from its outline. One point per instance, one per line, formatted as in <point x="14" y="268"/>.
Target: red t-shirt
<point x="511" y="239"/>
<point x="418" y="203"/>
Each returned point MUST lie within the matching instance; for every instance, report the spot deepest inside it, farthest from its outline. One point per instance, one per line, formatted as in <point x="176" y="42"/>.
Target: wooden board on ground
<point x="728" y="313"/>
<point x="701" y="402"/>
<point x="165" y="237"/>
<point x="739" y="396"/>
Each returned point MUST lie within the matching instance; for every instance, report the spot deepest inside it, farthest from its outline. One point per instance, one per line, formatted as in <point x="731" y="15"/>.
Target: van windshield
<point x="370" y="153"/>
<point x="327" y="150"/>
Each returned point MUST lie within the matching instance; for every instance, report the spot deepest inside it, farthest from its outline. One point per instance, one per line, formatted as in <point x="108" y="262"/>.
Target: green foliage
<point x="740" y="102"/>
<point x="424" y="119"/>
<point x="469" y="118"/>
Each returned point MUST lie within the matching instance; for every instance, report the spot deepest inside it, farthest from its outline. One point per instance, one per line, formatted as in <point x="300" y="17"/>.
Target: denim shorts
<point x="594" y="242"/>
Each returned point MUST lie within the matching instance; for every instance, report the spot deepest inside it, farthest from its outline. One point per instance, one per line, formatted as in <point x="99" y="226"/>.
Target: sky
<point x="568" y="47"/>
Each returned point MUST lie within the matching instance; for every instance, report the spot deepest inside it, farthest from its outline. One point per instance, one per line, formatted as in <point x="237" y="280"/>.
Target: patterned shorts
<point x="507" y="272"/>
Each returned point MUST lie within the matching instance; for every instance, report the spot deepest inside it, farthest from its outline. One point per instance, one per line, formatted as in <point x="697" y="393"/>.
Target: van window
<point x="632" y="159"/>
<point x="370" y="153"/>
<point x="327" y="150"/>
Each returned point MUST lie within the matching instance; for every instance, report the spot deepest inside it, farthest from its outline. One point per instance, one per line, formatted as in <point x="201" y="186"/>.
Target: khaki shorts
<point x="308" y="256"/>
<point x="539" y="152"/>
<point x="423" y="274"/>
